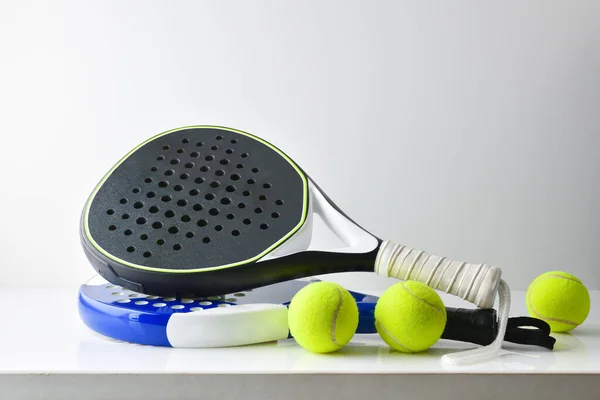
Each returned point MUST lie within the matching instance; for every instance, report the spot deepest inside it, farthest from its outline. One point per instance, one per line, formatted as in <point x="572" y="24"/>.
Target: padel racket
<point x="206" y="210"/>
<point x="253" y="316"/>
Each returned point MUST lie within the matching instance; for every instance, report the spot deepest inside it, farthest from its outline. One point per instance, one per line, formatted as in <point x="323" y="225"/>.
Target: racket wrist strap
<point x="490" y="351"/>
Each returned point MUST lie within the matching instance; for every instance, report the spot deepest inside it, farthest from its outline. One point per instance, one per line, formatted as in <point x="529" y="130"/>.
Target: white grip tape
<point x="476" y="283"/>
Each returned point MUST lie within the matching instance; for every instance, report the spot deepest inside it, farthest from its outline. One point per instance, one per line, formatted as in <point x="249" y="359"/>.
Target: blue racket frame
<point x="128" y="316"/>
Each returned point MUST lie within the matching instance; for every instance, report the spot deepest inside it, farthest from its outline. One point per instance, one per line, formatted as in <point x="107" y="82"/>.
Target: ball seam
<point x="392" y="337"/>
<point x="422" y="300"/>
<point x="541" y="278"/>
<point x="335" y="317"/>
<point x="529" y="301"/>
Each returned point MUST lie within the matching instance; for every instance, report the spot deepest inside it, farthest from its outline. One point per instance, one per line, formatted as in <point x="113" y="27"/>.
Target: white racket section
<point x="229" y="326"/>
<point x="354" y="238"/>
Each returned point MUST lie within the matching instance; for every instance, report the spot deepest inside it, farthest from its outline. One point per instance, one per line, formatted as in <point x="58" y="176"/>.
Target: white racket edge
<point x="227" y="327"/>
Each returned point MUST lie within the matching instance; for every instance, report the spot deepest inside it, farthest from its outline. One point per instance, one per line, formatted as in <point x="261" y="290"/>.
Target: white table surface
<point x="42" y="335"/>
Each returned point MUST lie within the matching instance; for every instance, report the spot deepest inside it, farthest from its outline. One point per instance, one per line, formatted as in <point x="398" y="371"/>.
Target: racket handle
<point x="477" y="326"/>
<point x="475" y="283"/>
<point x="480" y="326"/>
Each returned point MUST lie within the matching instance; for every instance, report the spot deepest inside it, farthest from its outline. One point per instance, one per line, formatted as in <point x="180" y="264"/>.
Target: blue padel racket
<point x="253" y="316"/>
<point x="241" y="318"/>
<point x="206" y="210"/>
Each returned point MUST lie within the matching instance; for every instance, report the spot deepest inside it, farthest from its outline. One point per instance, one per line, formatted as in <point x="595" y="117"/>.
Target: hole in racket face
<point x="120" y="297"/>
<point x="197" y="198"/>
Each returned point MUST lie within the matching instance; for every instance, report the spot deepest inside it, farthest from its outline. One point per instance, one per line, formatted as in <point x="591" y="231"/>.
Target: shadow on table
<point x="586" y="331"/>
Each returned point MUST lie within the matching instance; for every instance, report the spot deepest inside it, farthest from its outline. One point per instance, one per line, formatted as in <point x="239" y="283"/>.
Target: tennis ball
<point x="560" y="299"/>
<point x="323" y="317"/>
<point x="410" y="316"/>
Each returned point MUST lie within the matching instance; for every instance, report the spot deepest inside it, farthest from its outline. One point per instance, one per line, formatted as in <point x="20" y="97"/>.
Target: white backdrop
<point x="466" y="128"/>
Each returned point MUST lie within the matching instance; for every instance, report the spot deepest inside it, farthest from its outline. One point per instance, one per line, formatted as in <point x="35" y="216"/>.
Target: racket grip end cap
<point x="476" y="283"/>
<point x="488" y="289"/>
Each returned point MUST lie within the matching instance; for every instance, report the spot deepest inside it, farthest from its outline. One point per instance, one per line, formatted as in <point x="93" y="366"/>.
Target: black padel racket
<point x="205" y="210"/>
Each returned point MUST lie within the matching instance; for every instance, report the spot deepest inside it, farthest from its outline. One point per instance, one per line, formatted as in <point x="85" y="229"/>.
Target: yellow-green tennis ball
<point x="560" y="299"/>
<point x="410" y="316"/>
<point x="323" y="317"/>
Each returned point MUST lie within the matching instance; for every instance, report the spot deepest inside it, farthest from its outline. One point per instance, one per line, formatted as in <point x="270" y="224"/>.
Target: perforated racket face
<point x="117" y="296"/>
<point x="195" y="199"/>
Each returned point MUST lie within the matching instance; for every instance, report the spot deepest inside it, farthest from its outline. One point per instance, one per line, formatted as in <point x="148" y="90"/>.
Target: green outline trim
<point x="265" y="252"/>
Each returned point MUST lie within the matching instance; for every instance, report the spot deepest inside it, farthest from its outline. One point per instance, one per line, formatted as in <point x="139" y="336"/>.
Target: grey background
<point x="468" y="129"/>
